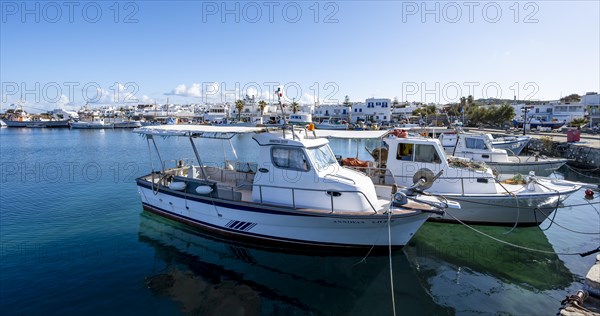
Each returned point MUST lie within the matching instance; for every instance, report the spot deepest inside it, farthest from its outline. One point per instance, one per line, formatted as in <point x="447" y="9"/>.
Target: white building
<point x="591" y="101"/>
<point x="554" y="110"/>
<point x="405" y="110"/>
<point x="332" y="111"/>
<point x="377" y="109"/>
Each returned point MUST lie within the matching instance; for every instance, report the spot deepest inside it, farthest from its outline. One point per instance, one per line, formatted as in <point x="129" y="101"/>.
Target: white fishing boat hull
<point x="128" y="124"/>
<point x="542" y="168"/>
<point x="281" y="224"/>
<point x="525" y="208"/>
<point x="90" y="125"/>
<point x="331" y="126"/>
<point x="502" y="210"/>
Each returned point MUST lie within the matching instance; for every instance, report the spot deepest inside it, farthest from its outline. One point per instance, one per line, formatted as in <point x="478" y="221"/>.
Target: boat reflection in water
<point x="208" y="276"/>
<point x="473" y="273"/>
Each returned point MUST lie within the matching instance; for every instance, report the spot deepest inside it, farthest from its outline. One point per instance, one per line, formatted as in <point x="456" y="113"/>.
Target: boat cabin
<point x="290" y="171"/>
<point x="411" y="158"/>
<point x="477" y="147"/>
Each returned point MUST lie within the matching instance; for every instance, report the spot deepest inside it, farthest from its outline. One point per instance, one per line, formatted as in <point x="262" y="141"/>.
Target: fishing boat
<point x="480" y="147"/>
<point x="293" y="193"/>
<point x="95" y="123"/>
<point x="512" y="144"/>
<point x="484" y="199"/>
<point x="20" y="118"/>
<point x="333" y="125"/>
<point x="127" y="124"/>
<point x="537" y="122"/>
<point x="300" y="118"/>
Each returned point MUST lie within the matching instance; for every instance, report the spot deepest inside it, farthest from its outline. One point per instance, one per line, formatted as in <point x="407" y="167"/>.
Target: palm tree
<point x="262" y="104"/>
<point x="239" y="106"/>
<point x="470" y="101"/>
<point x="295" y="107"/>
<point x="579" y="122"/>
<point x="347" y="101"/>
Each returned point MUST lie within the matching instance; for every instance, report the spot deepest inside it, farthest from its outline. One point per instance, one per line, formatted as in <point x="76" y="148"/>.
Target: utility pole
<point x="525" y="109"/>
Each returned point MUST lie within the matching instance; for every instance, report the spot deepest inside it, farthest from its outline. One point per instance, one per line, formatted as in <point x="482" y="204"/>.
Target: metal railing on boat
<point x="234" y="189"/>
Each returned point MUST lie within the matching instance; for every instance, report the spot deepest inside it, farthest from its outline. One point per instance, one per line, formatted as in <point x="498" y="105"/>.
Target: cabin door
<point x="412" y="158"/>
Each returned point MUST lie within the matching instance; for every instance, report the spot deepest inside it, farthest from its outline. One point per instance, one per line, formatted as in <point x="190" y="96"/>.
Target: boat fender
<point x="204" y="189"/>
<point x="589" y="194"/>
<point x="177" y="186"/>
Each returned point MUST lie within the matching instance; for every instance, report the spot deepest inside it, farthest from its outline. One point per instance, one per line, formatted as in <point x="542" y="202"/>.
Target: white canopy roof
<point x="350" y="134"/>
<point x="206" y="131"/>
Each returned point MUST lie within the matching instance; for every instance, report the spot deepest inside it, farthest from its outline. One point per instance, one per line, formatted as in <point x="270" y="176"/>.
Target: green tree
<point x="262" y="105"/>
<point x="497" y="116"/>
<point x="395" y="103"/>
<point x="239" y="106"/>
<point x="425" y="111"/>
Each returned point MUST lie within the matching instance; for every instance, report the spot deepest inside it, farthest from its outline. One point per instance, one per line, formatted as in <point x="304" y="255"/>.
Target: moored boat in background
<point x="480" y="147"/>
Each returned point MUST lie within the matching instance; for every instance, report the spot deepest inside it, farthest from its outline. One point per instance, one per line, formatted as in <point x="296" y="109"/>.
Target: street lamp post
<point x="525" y="109"/>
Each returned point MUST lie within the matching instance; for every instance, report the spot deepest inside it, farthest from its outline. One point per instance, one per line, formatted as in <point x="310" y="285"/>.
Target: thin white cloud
<point x="195" y="90"/>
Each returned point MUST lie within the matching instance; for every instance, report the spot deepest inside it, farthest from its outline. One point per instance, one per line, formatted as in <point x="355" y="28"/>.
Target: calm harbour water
<point x="74" y="240"/>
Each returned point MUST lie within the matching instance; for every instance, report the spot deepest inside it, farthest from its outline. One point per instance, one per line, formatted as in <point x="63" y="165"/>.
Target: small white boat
<point x="127" y="124"/>
<point x="294" y="193"/>
<point x="2" y="124"/>
<point x="512" y="144"/>
<point x="484" y="199"/>
<point x="300" y="118"/>
<point x="97" y="123"/>
<point x="479" y="147"/>
<point x="328" y="124"/>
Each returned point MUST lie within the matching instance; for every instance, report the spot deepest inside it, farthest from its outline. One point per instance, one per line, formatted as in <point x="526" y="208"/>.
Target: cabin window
<point x="405" y="152"/>
<point x="475" y="143"/>
<point x="322" y="157"/>
<point x="426" y="153"/>
<point x="289" y="158"/>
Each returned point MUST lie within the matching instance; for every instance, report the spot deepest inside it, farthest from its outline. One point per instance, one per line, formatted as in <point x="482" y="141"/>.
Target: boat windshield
<point x="322" y="157"/>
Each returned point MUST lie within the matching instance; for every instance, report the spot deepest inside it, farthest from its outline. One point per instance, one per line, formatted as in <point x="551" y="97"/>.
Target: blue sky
<point x="189" y="52"/>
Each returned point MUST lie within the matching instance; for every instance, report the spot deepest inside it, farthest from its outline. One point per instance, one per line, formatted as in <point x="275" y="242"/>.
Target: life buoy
<point x="400" y="133"/>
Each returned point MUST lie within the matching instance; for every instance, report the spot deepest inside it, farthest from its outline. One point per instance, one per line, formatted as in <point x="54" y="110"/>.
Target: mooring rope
<point x="390" y="258"/>
<point x="508" y="243"/>
<point x="579" y="171"/>
<point x="566" y="228"/>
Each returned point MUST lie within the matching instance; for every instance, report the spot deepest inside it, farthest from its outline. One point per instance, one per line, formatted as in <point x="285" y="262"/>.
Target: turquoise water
<point x="74" y="240"/>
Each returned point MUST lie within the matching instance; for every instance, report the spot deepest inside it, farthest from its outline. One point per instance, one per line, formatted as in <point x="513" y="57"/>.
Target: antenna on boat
<point x="279" y="95"/>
